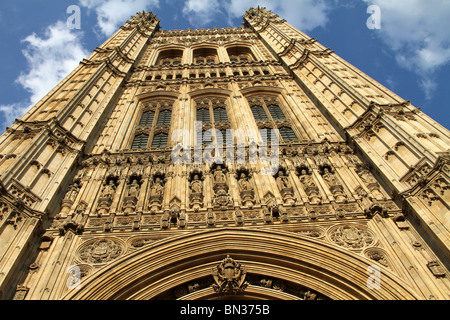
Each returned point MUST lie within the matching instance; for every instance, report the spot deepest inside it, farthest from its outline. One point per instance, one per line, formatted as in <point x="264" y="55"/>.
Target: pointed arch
<point x="166" y="264"/>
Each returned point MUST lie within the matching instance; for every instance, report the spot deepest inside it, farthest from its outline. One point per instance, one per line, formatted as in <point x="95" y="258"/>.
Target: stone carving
<point x="72" y="192"/>
<point x="334" y="185"/>
<point x="377" y="255"/>
<point x="4" y="210"/>
<point x="229" y="277"/>
<point x="352" y="237"/>
<point x="196" y="191"/>
<point x="100" y="251"/>
<point x="247" y="192"/>
<point x="285" y="187"/>
<point x="310" y="187"/>
<point x="436" y="269"/>
<point x="239" y="217"/>
<point x="130" y="201"/>
<point x="275" y="284"/>
<point x="370" y="181"/>
<point x="221" y="199"/>
<point x="156" y="193"/>
<point x="106" y="197"/>
<point x="109" y="190"/>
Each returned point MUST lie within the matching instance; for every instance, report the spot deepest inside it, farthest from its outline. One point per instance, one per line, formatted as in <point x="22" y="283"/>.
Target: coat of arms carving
<point x="229" y="277"/>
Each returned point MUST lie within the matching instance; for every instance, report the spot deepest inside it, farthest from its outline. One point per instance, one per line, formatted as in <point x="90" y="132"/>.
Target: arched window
<point x="240" y="54"/>
<point x="170" y="57"/>
<point x="140" y="141"/>
<point x="259" y="113"/>
<point x="208" y="55"/>
<point x="276" y="112"/>
<point x="266" y="134"/>
<point x="220" y="115"/>
<point x="164" y="118"/>
<point x="203" y="115"/>
<point x="160" y="140"/>
<point x="287" y="134"/>
<point x="147" y="118"/>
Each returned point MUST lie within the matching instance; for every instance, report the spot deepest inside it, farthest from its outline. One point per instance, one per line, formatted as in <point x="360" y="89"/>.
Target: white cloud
<point x="303" y="14"/>
<point x="200" y="12"/>
<point x="49" y="59"/>
<point x="111" y="14"/>
<point x="416" y="31"/>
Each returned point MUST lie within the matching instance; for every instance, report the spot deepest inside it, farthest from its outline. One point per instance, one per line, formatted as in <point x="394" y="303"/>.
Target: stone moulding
<point x="173" y="261"/>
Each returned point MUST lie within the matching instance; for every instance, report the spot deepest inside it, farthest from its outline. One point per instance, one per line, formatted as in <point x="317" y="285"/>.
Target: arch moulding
<point x="171" y="262"/>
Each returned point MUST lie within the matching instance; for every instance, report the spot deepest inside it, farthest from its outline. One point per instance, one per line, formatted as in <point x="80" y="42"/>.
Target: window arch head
<point x="240" y="54"/>
<point x="164" y="118"/>
<point x="160" y="140"/>
<point x="276" y="112"/>
<point x="205" y="56"/>
<point x="147" y="118"/>
<point x="203" y="115"/>
<point x="259" y="113"/>
<point x="220" y="114"/>
<point x="140" y="141"/>
<point x="170" y="57"/>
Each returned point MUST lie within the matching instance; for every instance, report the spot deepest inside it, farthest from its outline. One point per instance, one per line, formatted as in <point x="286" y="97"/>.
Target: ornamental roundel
<point x="351" y="236"/>
<point x="100" y="251"/>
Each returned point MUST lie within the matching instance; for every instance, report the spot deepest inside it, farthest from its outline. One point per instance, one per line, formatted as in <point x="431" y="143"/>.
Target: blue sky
<point x="410" y="54"/>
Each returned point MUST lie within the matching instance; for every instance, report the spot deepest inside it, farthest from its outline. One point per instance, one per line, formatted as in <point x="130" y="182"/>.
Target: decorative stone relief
<point x="196" y="190"/>
<point x="351" y="236"/>
<point x="285" y="187"/>
<point x="100" y="251"/>
<point x="229" y="277"/>
<point x="377" y="255"/>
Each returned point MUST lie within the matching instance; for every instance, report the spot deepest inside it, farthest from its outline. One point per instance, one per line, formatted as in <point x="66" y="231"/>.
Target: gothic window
<point x="224" y="136"/>
<point x="205" y="55"/>
<point x="212" y="112"/>
<point x="160" y="140"/>
<point x="164" y="117"/>
<point x="203" y="115"/>
<point x="152" y="128"/>
<point x="276" y="112"/>
<point x="205" y="138"/>
<point x="287" y="134"/>
<point x="170" y="57"/>
<point x="147" y="118"/>
<point x="266" y="134"/>
<point x="220" y="115"/>
<point x="259" y="113"/>
<point x="140" y="141"/>
<point x="240" y="54"/>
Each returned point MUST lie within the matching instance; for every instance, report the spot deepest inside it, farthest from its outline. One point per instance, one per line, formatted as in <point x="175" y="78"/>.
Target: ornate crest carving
<point x="100" y="251"/>
<point x="352" y="237"/>
<point x="229" y="277"/>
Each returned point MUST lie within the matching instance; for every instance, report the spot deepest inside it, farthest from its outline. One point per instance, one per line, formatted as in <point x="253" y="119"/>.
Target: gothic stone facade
<point x="92" y="205"/>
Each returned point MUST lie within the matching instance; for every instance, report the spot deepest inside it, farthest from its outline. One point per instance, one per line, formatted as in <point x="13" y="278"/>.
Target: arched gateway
<point x="277" y="266"/>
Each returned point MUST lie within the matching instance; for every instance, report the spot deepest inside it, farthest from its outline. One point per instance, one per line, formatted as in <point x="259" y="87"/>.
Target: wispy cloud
<point x="200" y="12"/>
<point x="111" y="14"/>
<point x="49" y="58"/>
<point x="416" y="32"/>
<point x="303" y="14"/>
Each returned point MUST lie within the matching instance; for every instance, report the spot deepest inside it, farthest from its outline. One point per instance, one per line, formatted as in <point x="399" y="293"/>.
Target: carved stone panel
<point x="100" y="251"/>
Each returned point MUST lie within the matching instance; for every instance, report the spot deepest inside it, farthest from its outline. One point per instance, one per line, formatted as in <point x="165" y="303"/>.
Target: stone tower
<point x="143" y="175"/>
